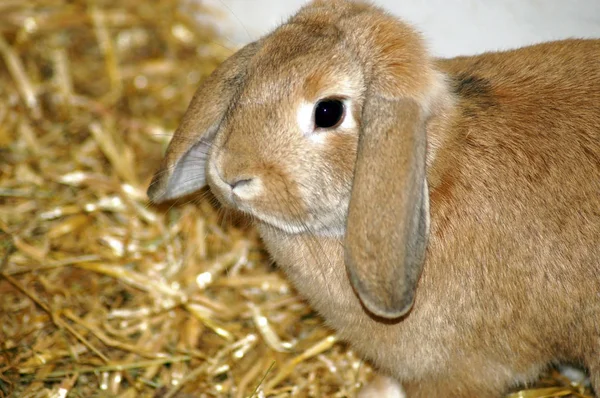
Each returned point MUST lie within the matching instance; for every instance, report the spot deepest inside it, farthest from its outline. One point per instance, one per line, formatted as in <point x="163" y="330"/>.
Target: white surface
<point x="452" y="27"/>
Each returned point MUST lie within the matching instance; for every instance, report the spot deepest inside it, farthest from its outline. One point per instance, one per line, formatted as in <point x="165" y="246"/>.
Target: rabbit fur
<point x="449" y="227"/>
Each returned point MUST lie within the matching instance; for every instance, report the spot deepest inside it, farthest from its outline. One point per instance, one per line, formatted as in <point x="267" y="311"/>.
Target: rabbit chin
<point x="327" y="225"/>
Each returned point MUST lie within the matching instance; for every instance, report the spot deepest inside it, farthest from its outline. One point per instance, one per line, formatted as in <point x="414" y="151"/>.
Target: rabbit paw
<point x="382" y="387"/>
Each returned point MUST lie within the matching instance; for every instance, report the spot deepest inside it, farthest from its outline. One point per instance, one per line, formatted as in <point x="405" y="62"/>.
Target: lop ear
<point x="182" y="170"/>
<point x="388" y="217"/>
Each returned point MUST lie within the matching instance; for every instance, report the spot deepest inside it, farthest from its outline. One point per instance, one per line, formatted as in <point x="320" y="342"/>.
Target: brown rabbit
<point x="442" y="215"/>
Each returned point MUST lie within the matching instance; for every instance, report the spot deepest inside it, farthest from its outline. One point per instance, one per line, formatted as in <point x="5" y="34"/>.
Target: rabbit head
<point x="319" y="128"/>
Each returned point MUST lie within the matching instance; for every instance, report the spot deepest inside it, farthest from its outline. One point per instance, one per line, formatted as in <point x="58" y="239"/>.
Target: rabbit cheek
<point x="340" y="154"/>
<point x="281" y="203"/>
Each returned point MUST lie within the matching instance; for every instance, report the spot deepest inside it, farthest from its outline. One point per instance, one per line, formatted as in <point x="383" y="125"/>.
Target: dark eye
<point x="329" y="113"/>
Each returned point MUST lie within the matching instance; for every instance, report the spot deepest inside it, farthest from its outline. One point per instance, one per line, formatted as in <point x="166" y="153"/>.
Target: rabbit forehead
<point x="306" y="78"/>
<point x="296" y="50"/>
<point x="294" y="40"/>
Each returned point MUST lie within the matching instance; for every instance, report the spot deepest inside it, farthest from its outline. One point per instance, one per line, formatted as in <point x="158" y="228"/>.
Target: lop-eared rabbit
<point x="443" y="216"/>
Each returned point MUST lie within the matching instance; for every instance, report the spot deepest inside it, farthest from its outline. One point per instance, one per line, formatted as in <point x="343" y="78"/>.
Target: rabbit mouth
<point x="325" y="226"/>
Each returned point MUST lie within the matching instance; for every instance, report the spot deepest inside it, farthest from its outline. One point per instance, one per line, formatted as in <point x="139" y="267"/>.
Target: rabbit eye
<point x="329" y="113"/>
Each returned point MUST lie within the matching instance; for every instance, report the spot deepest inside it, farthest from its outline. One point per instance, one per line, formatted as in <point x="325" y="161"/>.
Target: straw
<point x="102" y="294"/>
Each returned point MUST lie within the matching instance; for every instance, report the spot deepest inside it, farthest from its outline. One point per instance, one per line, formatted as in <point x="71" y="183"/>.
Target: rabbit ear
<point x="182" y="170"/>
<point x="388" y="218"/>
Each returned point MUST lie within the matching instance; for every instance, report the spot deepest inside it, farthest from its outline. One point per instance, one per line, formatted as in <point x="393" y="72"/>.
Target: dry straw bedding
<point x="101" y="294"/>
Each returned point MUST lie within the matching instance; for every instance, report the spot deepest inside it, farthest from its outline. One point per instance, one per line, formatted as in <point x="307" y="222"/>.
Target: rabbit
<point x="442" y="215"/>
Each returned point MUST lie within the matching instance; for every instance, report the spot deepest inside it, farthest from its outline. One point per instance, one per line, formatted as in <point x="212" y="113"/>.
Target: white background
<point x="452" y="27"/>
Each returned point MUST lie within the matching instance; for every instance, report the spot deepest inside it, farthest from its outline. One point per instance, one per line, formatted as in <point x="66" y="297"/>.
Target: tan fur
<point x="511" y="279"/>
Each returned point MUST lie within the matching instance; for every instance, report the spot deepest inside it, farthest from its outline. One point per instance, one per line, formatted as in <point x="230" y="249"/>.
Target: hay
<point x="100" y="294"/>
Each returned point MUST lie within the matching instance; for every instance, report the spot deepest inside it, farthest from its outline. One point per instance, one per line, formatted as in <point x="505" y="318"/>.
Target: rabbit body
<point x="507" y="214"/>
<point x="511" y="281"/>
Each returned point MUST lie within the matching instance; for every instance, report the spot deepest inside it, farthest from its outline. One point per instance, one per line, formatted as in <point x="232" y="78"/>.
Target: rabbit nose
<point x="245" y="187"/>
<point x="240" y="183"/>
